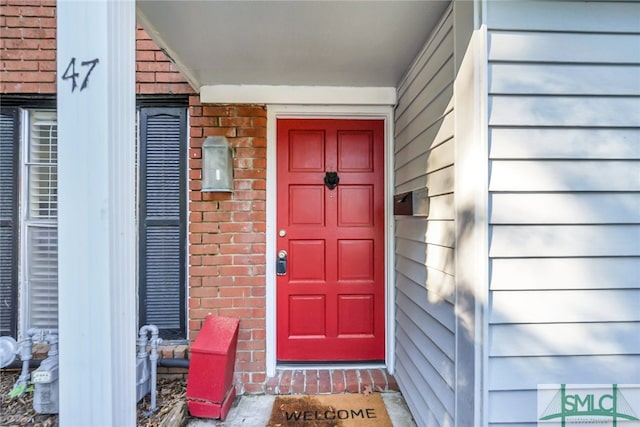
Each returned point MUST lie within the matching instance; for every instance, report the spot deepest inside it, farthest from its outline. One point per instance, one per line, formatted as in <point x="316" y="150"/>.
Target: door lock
<point x="281" y="263"/>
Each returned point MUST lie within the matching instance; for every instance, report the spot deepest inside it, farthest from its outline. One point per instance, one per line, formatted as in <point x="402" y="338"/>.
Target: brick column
<point x="227" y="234"/>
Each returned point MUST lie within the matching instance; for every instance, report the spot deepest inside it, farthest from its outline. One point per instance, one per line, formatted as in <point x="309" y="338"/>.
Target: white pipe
<point x="52" y="339"/>
<point x="142" y="343"/>
<point x="155" y="341"/>
<point x="153" y="359"/>
<point x="26" y="348"/>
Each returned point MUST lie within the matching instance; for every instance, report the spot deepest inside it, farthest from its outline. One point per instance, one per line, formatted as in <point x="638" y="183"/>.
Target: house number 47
<point x="71" y="74"/>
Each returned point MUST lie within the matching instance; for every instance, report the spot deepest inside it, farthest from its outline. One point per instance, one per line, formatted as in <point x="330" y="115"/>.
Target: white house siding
<point x="564" y="183"/>
<point x="424" y="157"/>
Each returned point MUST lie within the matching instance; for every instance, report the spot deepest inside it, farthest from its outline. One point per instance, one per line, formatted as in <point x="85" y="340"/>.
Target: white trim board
<point x="275" y="112"/>
<point x="297" y="95"/>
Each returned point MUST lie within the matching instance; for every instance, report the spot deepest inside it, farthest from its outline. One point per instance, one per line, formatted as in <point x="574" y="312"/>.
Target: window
<point x="40" y="220"/>
<point x="28" y="221"/>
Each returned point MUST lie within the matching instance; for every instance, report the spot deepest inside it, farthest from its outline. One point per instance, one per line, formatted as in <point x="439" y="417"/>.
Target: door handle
<point x="281" y="263"/>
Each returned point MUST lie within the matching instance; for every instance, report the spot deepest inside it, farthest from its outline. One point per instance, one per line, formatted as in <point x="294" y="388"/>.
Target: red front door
<point x="330" y="300"/>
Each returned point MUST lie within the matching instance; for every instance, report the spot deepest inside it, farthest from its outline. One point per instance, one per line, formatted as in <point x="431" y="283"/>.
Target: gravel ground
<point x="19" y="411"/>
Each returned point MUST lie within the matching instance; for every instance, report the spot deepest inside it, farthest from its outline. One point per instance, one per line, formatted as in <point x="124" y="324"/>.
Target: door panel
<point x="306" y="204"/>
<point x="354" y="206"/>
<point x="330" y="302"/>
<point x="310" y="265"/>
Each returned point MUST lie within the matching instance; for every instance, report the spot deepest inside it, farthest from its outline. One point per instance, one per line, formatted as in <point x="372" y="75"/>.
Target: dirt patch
<point x="19" y="411"/>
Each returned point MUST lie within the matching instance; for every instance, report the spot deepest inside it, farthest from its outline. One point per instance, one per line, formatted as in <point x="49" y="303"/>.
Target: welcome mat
<point x="330" y="410"/>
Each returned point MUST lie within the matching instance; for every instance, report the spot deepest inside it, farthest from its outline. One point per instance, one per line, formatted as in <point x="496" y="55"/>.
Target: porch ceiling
<point x="294" y="43"/>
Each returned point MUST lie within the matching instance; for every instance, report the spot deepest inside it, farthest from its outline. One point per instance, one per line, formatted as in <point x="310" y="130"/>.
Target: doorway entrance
<point x="330" y="243"/>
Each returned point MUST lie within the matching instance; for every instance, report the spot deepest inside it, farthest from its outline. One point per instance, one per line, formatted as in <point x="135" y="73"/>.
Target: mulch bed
<point x="19" y="411"/>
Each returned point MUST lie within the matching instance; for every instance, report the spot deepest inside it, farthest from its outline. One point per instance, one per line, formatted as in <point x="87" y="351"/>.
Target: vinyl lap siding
<point x="564" y="128"/>
<point x="424" y="157"/>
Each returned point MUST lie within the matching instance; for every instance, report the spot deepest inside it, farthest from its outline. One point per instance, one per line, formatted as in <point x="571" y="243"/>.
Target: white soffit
<point x="299" y="95"/>
<point x="267" y="44"/>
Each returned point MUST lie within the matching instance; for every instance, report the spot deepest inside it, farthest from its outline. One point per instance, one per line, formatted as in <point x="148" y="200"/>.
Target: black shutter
<point x="162" y="290"/>
<point x="9" y="144"/>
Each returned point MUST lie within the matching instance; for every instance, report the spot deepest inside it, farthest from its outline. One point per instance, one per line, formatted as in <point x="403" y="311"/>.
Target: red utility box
<point x="210" y="389"/>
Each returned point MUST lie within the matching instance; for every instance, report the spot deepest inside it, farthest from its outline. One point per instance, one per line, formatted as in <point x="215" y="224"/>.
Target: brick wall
<point x="227" y="234"/>
<point x="28" y="53"/>
<point x="28" y="46"/>
<point x="155" y="73"/>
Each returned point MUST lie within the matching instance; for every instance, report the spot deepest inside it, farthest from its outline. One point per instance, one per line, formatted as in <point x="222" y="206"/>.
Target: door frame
<point x="376" y="112"/>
